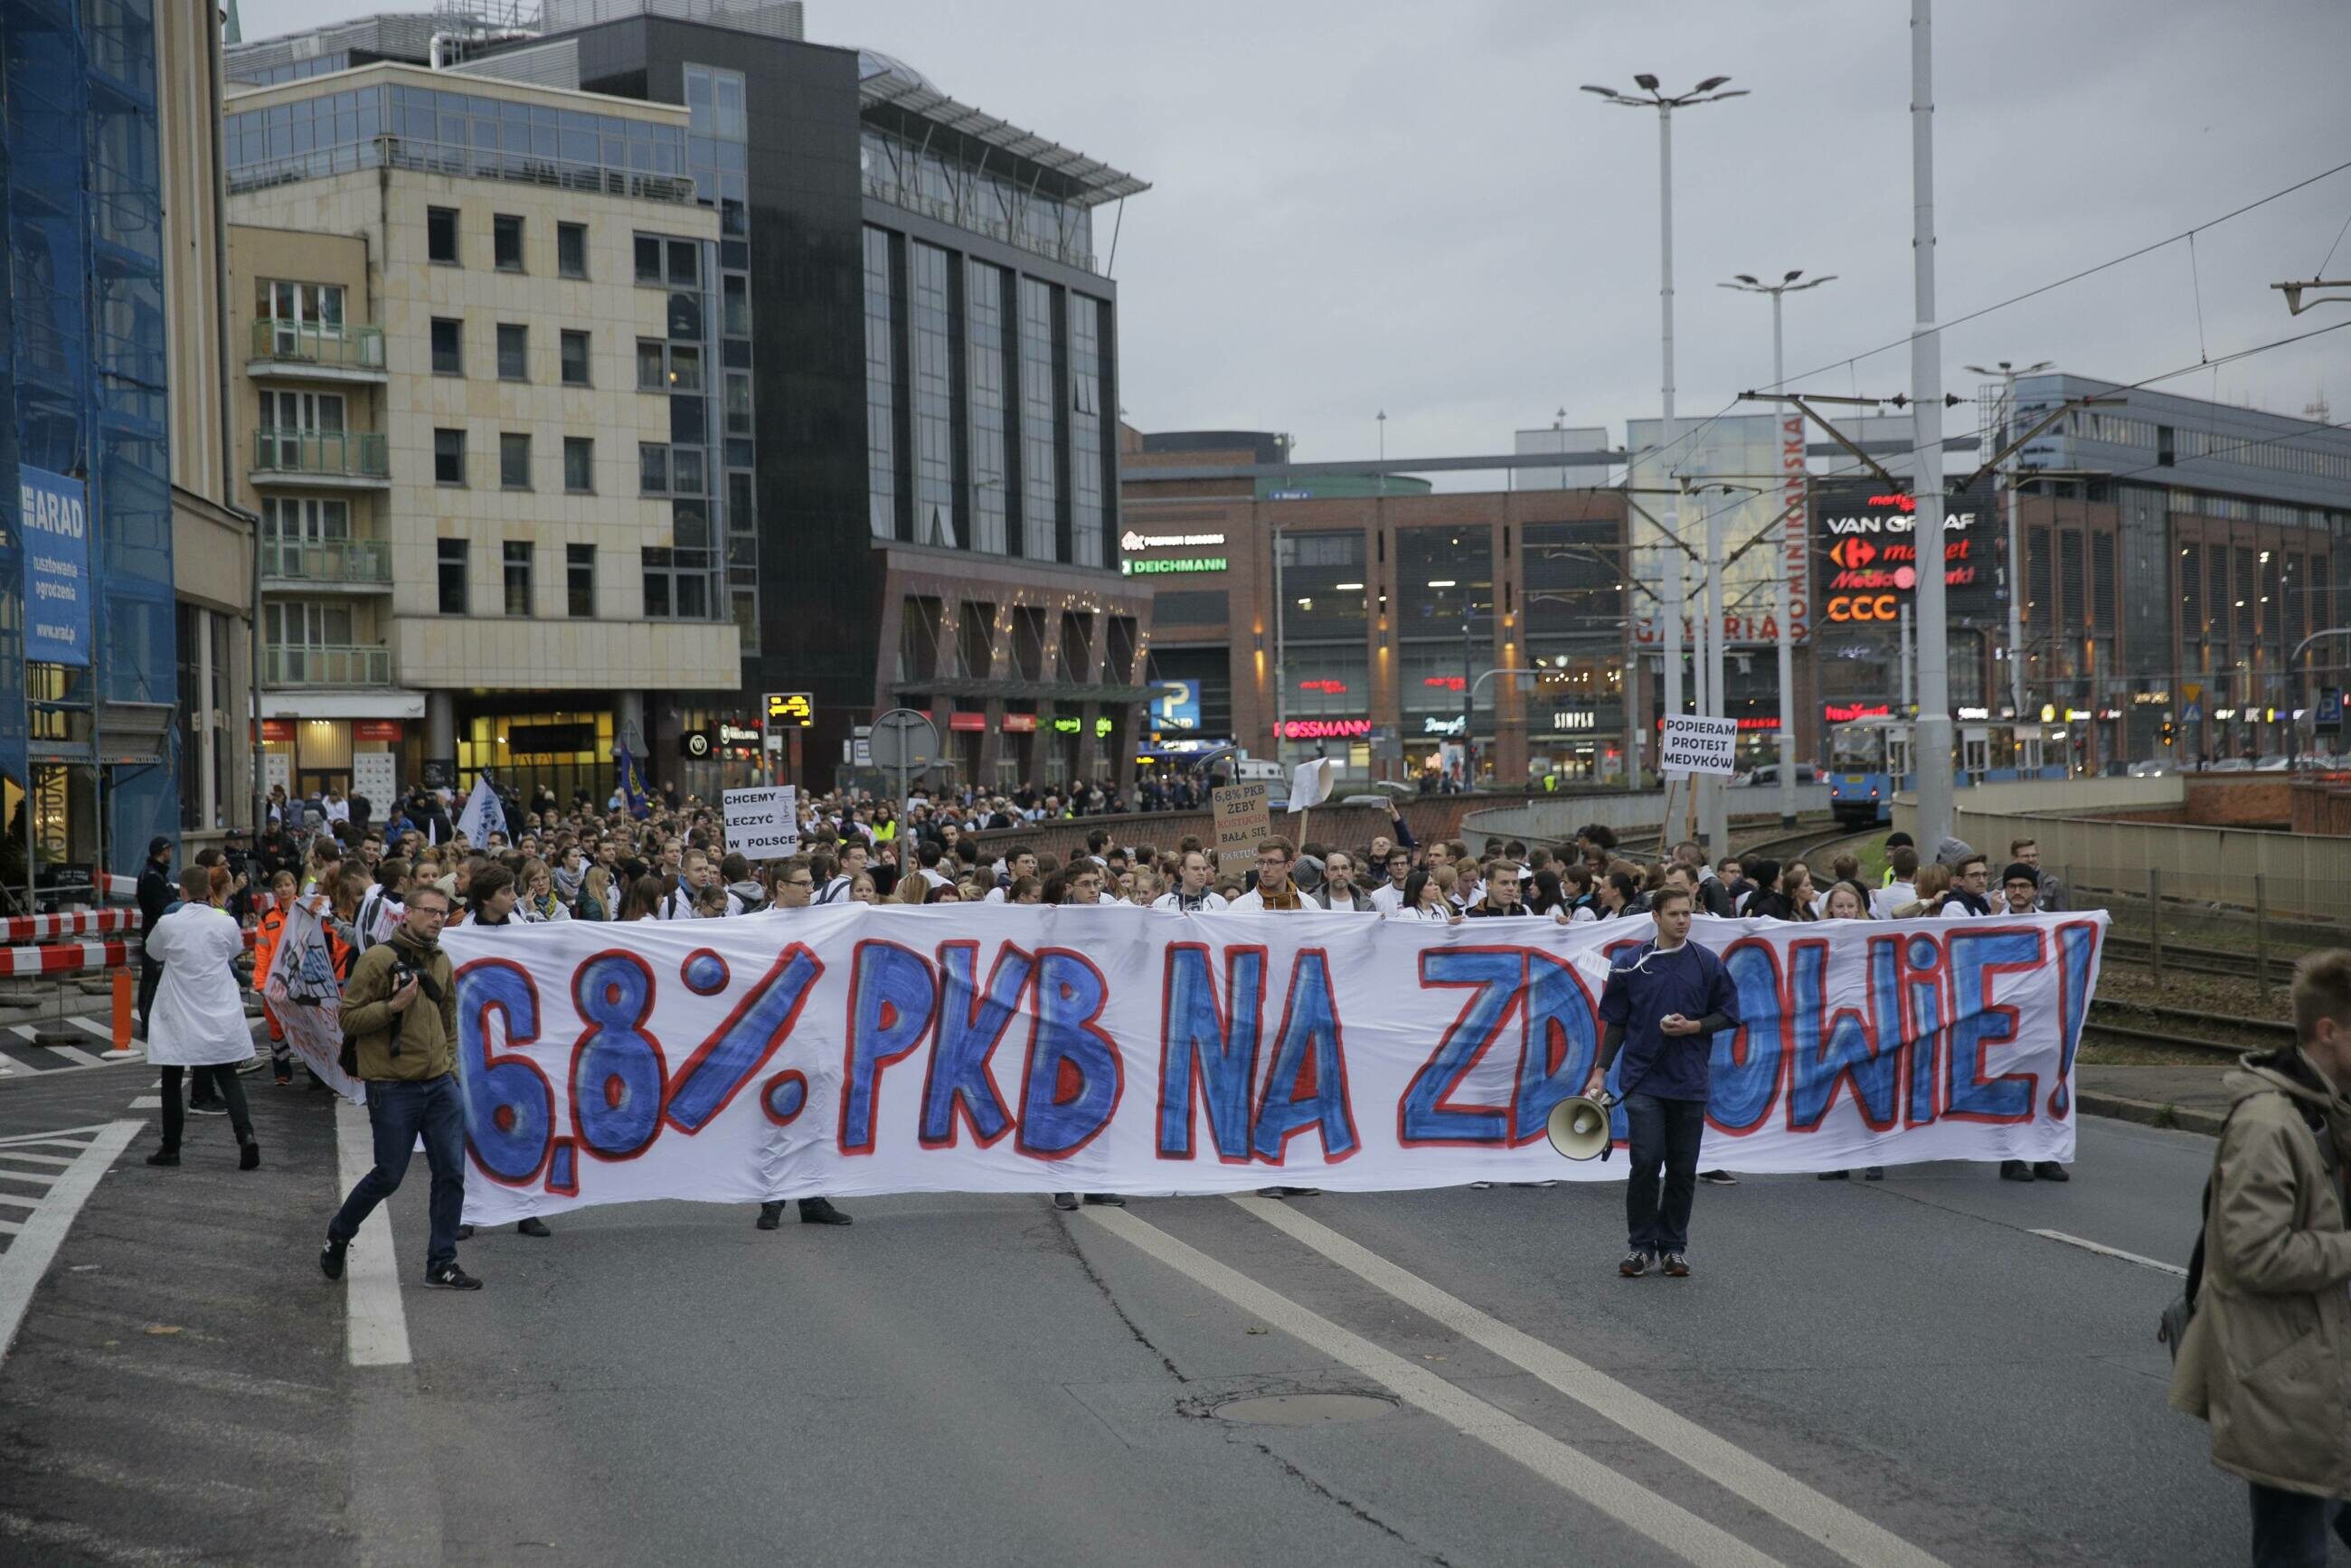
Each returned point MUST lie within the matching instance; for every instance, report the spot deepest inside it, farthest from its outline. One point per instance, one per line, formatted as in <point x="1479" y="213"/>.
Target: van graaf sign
<point x="1869" y="554"/>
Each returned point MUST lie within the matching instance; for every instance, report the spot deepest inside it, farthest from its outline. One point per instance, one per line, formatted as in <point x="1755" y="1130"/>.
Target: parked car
<point x="2150" y="769"/>
<point x="2274" y="763"/>
<point x="1768" y="773"/>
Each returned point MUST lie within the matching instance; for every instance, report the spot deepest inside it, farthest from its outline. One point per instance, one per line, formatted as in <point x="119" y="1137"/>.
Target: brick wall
<point x="2253" y="801"/>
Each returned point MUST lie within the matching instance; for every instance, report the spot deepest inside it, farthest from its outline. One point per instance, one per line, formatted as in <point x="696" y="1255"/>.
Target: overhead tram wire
<point x="2019" y="298"/>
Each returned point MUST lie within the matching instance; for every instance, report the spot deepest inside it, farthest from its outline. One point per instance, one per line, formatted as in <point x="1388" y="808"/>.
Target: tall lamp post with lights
<point x="1646" y="96"/>
<point x="2008" y="374"/>
<point x="1746" y="284"/>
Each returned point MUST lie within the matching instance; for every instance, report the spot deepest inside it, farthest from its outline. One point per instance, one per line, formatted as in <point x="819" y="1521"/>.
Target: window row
<point x="444" y="245"/>
<point x="513" y="338"/>
<point x="518" y="562"/>
<point x="515" y="461"/>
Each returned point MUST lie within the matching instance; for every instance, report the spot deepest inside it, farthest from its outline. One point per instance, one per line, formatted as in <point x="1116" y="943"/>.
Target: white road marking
<point x="377" y="1321"/>
<point x="37" y="1177"/>
<point x="2172" y="1269"/>
<point x="1628" y="1502"/>
<point x="26" y="1157"/>
<point x="1768" y="1488"/>
<point x="70" y="1137"/>
<point x="10" y="1227"/>
<point x="76" y="1055"/>
<point x="29" y="1256"/>
<point x="89" y="1026"/>
<point x="147" y="1102"/>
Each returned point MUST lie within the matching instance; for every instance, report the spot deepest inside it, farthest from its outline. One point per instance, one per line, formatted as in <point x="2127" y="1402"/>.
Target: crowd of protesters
<point x="395" y="880"/>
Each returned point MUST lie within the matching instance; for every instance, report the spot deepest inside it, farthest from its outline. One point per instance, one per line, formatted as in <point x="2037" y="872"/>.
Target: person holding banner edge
<point x="1662" y="1006"/>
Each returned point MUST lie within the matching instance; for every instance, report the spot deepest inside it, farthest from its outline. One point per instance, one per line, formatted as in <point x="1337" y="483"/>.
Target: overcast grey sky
<point x="1409" y="206"/>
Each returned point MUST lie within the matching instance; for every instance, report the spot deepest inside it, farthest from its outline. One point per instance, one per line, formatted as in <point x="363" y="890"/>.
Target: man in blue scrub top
<point x="1662" y="1005"/>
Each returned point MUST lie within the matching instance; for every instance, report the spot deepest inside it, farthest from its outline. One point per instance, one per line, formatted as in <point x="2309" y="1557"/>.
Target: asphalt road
<point x="985" y="1379"/>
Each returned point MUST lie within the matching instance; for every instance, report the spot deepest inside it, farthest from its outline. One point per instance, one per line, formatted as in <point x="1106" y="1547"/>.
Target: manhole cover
<point x="1303" y="1409"/>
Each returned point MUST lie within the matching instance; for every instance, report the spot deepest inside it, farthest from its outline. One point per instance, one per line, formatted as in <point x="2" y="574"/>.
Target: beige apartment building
<point x="477" y="346"/>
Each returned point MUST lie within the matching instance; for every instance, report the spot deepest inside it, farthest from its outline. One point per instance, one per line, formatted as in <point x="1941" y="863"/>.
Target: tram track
<point x="2151" y="1024"/>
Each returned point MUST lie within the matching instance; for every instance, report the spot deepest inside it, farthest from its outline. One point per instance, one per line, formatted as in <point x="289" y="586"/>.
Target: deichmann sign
<point x="1180" y="564"/>
<point x="53" y="520"/>
<point x="854" y="1050"/>
<point x="1869" y="555"/>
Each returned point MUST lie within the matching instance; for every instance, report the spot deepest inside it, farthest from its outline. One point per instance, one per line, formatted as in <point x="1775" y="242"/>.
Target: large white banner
<point x="856" y="1050"/>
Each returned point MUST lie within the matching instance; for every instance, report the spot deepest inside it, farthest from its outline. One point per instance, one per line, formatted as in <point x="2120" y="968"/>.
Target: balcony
<point x="325" y="665"/>
<point x="362" y="566"/>
<point x="308" y="351"/>
<point x="336" y="459"/>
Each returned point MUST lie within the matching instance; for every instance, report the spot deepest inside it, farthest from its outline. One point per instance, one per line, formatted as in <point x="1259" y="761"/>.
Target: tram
<point x="1871" y="759"/>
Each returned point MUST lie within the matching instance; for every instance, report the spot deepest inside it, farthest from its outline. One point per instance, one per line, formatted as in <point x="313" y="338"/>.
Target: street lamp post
<point x="1932" y="733"/>
<point x="1648" y="97"/>
<point x="1794" y="522"/>
<point x="2008" y="374"/>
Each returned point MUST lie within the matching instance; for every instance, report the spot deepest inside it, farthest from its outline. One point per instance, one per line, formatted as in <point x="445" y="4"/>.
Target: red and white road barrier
<point x="71" y="957"/>
<point x="63" y="958"/>
<point x="84" y="922"/>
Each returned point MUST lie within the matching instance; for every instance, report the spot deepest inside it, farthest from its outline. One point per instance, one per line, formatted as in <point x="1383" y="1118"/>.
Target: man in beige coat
<point x="2266" y="1358"/>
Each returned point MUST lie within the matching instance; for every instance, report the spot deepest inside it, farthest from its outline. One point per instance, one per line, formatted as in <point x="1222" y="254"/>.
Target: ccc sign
<point x="1865" y="607"/>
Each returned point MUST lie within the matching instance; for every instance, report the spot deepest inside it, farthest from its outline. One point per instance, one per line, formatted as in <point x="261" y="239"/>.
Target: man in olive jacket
<point x="2266" y="1359"/>
<point x="405" y="1040"/>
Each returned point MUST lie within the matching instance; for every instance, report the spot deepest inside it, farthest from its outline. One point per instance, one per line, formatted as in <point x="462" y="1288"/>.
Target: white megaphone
<point x="1578" y="1128"/>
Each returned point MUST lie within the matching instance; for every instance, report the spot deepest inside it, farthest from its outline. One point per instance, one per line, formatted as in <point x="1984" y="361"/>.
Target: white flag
<point x="1310" y="784"/>
<point x="483" y="815"/>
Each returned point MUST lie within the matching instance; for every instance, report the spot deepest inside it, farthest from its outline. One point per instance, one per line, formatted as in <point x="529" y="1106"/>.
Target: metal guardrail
<point x="315" y="343"/>
<point x="328" y="665"/>
<point x="349" y="454"/>
<point x="367" y="562"/>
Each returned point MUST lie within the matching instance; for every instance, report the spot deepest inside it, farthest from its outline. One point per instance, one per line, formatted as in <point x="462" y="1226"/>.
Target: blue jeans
<point x="2289" y="1529"/>
<point x="1665" y="1134"/>
<point x="398" y="1113"/>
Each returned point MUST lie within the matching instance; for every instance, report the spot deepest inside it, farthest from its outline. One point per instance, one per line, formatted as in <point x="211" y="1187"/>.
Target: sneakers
<point x="1677" y="1266"/>
<point x="771" y="1215"/>
<point x="1314" y="1191"/>
<point x="284" y="1079"/>
<point x="1874" y="1172"/>
<point x="208" y="1108"/>
<point x="2049" y="1170"/>
<point x="1634" y="1265"/>
<point x="534" y="1226"/>
<point x="164" y="1157"/>
<point x="330" y="1259"/>
<point x="449" y="1277"/>
<point x="1106" y="1200"/>
<point x="1065" y="1200"/>
<point x="248" y="1155"/>
<point x="464" y="1233"/>
<point x="1717" y="1178"/>
<point x="819" y="1211"/>
<point x="1833" y="1176"/>
<point x="2015" y="1170"/>
<point x="1481" y="1186"/>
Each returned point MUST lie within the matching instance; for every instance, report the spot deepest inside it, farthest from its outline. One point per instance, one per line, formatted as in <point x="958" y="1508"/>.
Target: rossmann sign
<point x="1867" y="554"/>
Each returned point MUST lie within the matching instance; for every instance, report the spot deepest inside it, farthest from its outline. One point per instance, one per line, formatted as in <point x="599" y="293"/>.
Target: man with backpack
<point x="2266" y="1353"/>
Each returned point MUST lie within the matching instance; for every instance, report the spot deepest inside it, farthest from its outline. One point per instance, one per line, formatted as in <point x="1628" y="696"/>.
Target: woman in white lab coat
<point x="199" y="1019"/>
